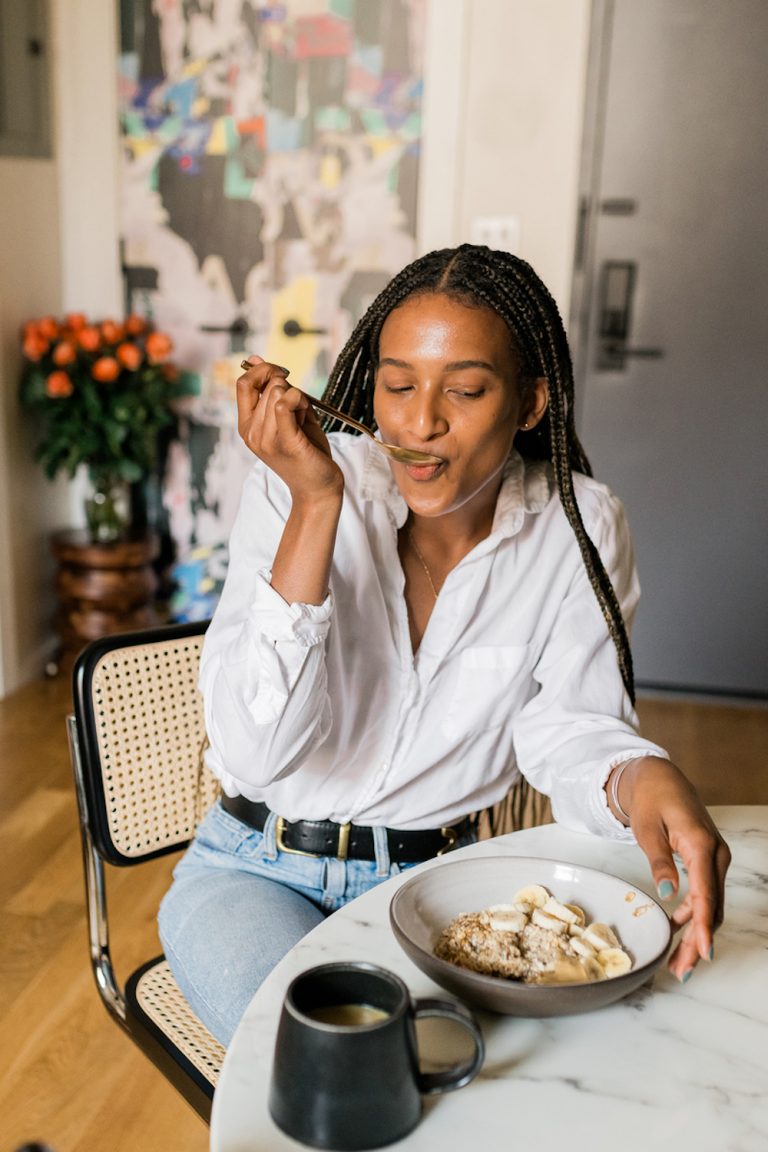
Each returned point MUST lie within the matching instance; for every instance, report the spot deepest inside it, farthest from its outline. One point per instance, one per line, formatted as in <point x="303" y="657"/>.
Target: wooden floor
<point x="68" y="1075"/>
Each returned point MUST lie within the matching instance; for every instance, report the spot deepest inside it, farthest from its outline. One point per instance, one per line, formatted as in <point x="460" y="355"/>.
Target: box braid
<point x="480" y="276"/>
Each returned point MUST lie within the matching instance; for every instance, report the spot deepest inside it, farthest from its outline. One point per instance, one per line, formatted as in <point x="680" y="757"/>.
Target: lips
<point x="424" y="472"/>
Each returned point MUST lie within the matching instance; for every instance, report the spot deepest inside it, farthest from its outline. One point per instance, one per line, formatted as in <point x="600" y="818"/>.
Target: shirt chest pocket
<point x="487" y="686"/>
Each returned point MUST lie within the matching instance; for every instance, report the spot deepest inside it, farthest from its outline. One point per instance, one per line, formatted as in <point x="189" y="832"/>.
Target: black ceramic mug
<point x="346" y="1071"/>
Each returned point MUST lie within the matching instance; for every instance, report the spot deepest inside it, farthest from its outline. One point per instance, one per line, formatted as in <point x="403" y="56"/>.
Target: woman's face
<point x="447" y="384"/>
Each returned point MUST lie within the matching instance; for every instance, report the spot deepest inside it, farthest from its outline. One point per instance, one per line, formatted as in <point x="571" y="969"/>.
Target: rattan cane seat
<point x="158" y="995"/>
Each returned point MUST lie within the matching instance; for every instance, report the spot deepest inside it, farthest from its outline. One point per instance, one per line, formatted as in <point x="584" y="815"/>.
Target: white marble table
<point x="671" y="1067"/>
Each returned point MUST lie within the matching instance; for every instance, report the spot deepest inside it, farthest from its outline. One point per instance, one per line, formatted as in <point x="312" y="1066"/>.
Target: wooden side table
<point x="102" y="588"/>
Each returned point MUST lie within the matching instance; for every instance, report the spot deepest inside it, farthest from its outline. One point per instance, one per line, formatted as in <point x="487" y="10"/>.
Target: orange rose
<point x="129" y="356"/>
<point x="105" y="370"/>
<point x="159" y="347"/>
<point x="112" y="333"/>
<point x="34" y="346"/>
<point x="75" y="321"/>
<point x="48" y="327"/>
<point x="135" y="325"/>
<point x="88" y="338"/>
<point x="58" y="386"/>
<point x="64" y="353"/>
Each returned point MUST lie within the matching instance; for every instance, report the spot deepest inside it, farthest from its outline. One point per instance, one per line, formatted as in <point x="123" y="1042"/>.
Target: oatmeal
<point x="535" y="939"/>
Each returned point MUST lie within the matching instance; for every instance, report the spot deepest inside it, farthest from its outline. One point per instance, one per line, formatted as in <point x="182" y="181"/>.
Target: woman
<point x="395" y="644"/>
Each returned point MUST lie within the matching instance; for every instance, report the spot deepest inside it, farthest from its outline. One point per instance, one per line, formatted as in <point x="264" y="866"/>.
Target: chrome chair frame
<point x="150" y="1008"/>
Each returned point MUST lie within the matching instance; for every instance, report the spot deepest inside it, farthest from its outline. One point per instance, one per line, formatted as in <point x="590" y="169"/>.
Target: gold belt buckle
<point x="451" y="836"/>
<point x="341" y="852"/>
<point x="279" y="830"/>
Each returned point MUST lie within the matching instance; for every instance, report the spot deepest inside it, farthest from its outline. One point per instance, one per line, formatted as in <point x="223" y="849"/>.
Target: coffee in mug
<point x="346" y="1071"/>
<point x="348" y="1015"/>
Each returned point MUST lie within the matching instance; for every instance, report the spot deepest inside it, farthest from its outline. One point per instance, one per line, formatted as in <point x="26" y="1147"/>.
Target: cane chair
<point x="136" y="740"/>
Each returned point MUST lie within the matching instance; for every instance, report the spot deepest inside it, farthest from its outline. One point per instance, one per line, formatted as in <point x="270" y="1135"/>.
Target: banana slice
<point x="600" y="936"/>
<point x="560" y="911"/>
<point x="523" y="906"/>
<point x="543" y="920"/>
<point x="579" y="913"/>
<point x="614" y="962"/>
<point x="582" y="947"/>
<point x="593" y="968"/>
<point x="506" y="918"/>
<point x="567" y="970"/>
<point x="533" y="894"/>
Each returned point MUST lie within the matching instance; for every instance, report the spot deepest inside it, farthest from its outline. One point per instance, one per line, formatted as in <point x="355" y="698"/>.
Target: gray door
<point x="670" y="326"/>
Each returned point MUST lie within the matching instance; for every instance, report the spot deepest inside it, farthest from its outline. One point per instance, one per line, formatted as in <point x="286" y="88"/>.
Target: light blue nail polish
<point x="686" y="976"/>
<point x="711" y="953"/>
<point x="666" y="889"/>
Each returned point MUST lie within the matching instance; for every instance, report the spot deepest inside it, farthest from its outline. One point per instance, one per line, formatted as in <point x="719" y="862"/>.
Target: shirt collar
<point x="526" y="487"/>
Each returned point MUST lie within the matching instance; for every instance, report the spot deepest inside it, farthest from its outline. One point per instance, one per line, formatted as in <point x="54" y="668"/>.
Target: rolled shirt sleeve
<point x="262" y="671"/>
<point x="581" y="722"/>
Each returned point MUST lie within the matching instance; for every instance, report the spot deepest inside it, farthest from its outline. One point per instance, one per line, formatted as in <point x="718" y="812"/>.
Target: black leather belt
<point x="345" y="841"/>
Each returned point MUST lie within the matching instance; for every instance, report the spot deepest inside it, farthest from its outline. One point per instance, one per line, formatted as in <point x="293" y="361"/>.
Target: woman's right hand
<point x="279" y="425"/>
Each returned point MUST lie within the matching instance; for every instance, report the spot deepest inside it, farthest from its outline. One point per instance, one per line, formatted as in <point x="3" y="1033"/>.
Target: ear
<point x="535" y="403"/>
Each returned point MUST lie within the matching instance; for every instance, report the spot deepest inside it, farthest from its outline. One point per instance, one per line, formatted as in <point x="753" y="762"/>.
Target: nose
<point x="426" y="413"/>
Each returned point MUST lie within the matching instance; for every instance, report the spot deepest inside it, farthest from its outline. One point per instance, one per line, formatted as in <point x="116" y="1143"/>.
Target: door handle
<point x="238" y="327"/>
<point x="623" y="350"/>
<point x="617" y="290"/>
<point x="294" y="328"/>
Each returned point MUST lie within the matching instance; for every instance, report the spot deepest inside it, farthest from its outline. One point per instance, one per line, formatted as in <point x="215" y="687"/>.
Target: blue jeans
<point x="237" y="905"/>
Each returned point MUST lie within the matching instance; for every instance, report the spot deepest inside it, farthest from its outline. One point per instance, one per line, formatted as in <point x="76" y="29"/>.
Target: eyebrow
<point x="454" y="366"/>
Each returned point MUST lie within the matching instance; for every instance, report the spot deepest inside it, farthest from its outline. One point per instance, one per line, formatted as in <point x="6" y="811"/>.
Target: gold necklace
<point x="422" y="561"/>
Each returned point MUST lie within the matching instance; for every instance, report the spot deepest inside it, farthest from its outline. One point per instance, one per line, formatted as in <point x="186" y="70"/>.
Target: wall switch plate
<point x="496" y="231"/>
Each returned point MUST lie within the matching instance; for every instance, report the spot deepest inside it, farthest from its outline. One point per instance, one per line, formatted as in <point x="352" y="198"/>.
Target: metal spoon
<point x="394" y="451"/>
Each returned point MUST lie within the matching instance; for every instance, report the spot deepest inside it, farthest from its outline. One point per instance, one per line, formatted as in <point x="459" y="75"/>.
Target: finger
<point x="272" y="391"/>
<point x="290" y="408"/>
<point x="257" y="361"/>
<point x="657" y="848"/>
<point x="247" y="394"/>
<point x="282" y="409"/>
<point x="703" y="894"/>
<point x="685" y="957"/>
<point x="722" y="864"/>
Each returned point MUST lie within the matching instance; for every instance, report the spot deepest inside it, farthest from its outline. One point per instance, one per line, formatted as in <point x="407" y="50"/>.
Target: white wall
<point x="59" y="252"/>
<point x="504" y="101"/>
<point x="30" y="276"/>
<point x="85" y="34"/>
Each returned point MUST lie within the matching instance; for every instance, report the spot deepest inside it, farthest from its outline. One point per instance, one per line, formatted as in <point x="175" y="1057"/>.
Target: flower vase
<point x="107" y="509"/>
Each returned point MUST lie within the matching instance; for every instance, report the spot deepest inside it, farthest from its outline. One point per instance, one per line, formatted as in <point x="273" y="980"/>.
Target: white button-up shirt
<point x="324" y="712"/>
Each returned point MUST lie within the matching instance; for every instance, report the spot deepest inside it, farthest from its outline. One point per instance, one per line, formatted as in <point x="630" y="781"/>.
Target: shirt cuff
<point x="613" y="827"/>
<point x="277" y="620"/>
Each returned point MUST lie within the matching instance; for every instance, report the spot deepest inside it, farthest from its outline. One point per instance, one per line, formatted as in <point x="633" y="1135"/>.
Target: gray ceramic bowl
<point x="426" y="903"/>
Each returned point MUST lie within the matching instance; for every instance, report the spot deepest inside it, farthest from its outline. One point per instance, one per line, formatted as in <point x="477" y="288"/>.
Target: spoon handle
<point x="331" y="411"/>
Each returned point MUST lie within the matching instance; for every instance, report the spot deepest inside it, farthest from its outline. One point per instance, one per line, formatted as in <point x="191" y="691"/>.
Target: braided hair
<point x="483" y="277"/>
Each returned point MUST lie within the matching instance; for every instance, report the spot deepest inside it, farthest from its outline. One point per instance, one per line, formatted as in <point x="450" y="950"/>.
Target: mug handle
<point x="461" y="1074"/>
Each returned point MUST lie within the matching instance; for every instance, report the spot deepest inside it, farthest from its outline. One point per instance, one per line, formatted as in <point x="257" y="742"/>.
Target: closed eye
<point x="469" y="394"/>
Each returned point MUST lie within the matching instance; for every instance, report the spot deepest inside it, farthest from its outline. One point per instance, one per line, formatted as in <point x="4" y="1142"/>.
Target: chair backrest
<point x="141" y="732"/>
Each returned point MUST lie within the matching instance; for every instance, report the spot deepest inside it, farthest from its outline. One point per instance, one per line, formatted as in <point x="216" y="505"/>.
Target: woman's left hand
<point x="667" y="815"/>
